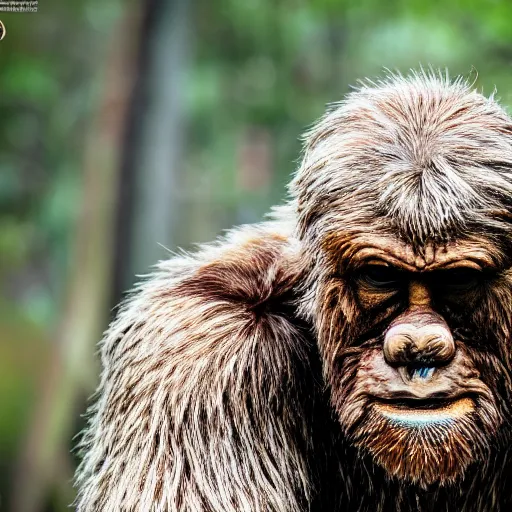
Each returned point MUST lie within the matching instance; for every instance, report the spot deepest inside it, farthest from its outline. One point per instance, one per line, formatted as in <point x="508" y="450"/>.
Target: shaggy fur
<point x="233" y="379"/>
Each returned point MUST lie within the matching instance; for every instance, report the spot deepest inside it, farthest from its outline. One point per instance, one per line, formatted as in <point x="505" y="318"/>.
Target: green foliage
<point x="276" y="65"/>
<point x="261" y="72"/>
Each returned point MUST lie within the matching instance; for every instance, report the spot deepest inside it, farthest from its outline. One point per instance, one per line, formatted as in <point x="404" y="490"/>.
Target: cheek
<point x="336" y="308"/>
<point x="348" y="390"/>
<point x="345" y="316"/>
<point x="376" y="310"/>
<point x="495" y="372"/>
<point x="371" y="300"/>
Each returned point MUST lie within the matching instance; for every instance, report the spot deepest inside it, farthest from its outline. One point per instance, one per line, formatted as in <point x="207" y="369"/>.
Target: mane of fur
<point x="427" y="156"/>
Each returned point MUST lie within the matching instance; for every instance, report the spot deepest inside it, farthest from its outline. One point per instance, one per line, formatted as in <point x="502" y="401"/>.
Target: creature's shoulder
<point x="206" y="386"/>
<point x="252" y="270"/>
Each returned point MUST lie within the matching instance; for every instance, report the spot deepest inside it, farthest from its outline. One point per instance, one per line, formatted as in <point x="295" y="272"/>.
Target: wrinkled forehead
<point x="432" y="161"/>
<point x="345" y="252"/>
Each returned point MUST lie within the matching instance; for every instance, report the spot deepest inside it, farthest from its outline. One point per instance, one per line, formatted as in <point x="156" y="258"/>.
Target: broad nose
<point x="422" y="339"/>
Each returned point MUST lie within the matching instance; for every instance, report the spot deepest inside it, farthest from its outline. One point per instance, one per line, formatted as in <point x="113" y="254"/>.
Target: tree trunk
<point x="71" y="368"/>
<point x="154" y="142"/>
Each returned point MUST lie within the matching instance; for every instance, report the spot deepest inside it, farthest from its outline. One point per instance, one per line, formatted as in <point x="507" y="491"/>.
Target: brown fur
<point x="237" y="379"/>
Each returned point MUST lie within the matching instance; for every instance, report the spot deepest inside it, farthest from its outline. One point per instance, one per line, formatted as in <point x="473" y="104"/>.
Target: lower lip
<point x="411" y="417"/>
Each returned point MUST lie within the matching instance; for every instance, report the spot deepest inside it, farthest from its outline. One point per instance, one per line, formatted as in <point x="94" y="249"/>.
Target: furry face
<point x="409" y="387"/>
<point x="406" y="189"/>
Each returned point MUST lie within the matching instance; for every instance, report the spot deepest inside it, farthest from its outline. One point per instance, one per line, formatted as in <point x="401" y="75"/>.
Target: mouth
<point x="414" y="412"/>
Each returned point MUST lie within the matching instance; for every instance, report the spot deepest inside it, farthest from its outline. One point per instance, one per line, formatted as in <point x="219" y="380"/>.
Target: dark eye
<point x="380" y="276"/>
<point x="458" y="279"/>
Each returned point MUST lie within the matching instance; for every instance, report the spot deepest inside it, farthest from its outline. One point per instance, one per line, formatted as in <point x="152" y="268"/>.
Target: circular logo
<point x="2" y="30"/>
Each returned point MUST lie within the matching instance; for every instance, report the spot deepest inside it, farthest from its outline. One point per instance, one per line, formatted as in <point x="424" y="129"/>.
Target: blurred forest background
<point x="128" y="127"/>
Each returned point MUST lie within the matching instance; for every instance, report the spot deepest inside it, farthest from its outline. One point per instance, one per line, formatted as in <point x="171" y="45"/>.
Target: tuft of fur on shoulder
<point x="204" y="396"/>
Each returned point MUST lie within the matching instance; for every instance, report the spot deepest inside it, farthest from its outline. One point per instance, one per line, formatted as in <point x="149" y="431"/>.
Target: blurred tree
<point x="44" y="464"/>
<point x="197" y="115"/>
<point x="152" y="159"/>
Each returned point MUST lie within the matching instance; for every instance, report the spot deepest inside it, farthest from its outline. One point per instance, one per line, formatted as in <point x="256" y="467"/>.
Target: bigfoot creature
<point x="351" y="354"/>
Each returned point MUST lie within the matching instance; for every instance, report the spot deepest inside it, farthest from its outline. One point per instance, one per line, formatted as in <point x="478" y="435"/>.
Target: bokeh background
<point x="128" y="129"/>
